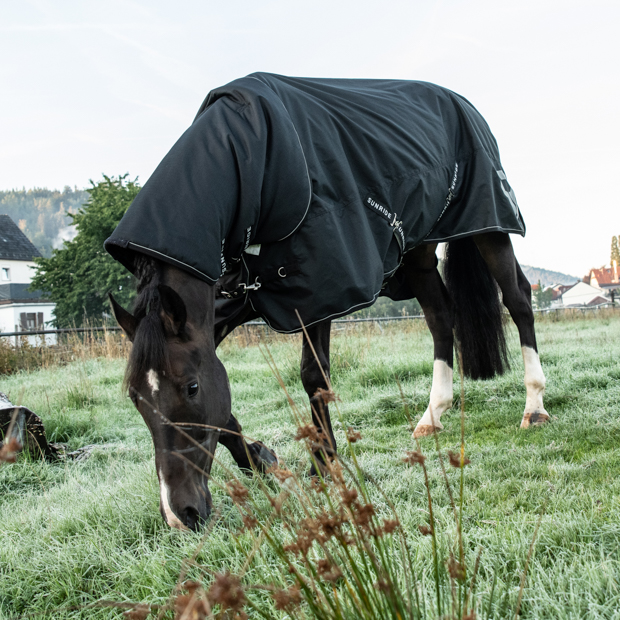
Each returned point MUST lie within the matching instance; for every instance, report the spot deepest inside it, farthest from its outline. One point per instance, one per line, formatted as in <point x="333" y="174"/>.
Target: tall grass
<point x="336" y="542"/>
<point x="72" y="346"/>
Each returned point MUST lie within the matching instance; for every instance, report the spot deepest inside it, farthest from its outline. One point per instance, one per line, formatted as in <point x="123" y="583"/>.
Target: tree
<point x="78" y="276"/>
<point x="615" y="251"/>
<point x="542" y="298"/>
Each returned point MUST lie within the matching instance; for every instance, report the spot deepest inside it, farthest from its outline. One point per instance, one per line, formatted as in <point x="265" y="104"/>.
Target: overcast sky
<point x="107" y="87"/>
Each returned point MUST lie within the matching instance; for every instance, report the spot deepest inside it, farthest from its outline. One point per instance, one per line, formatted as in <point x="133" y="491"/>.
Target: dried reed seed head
<point x="328" y="571"/>
<point x="310" y="431"/>
<point x="327" y="396"/>
<point x="188" y="607"/>
<point x="382" y="585"/>
<point x="335" y="471"/>
<point x="353" y="435"/>
<point x="139" y="612"/>
<point x="287" y="599"/>
<point x="455" y="459"/>
<point x="425" y="530"/>
<point x="307" y="532"/>
<point x="389" y="525"/>
<point x="237" y="491"/>
<point x="316" y="485"/>
<point x="280" y="473"/>
<point x="331" y="524"/>
<point x="309" y="525"/>
<point x="469" y="616"/>
<point x="412" y="457"/>
<point x="363" y="515"/>
<point x="456" y="569"/>
<point x="301" y="547"/>
<point x="192" y="587"/>
<point x="8" y="452"/>
<point x="226" y="590"/>
<point x="349" y="496"/>
<point x="249" y="522"/>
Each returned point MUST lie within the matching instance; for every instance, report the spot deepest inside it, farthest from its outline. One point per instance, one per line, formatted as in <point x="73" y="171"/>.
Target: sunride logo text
<point x="378" y="208"/>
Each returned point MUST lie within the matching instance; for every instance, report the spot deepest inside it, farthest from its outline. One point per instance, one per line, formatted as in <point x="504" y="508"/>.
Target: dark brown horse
<point x="299" y="197"/>
<point x="173" y="365"/>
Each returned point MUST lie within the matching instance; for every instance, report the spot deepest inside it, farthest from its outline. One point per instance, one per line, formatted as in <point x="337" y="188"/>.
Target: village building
<point x="583" y="294"/>
<point x="20" y="308"/>
<point x="604" y="278"/>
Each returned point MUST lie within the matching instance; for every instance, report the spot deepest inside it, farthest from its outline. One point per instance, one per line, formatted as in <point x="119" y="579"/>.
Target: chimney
<point x="614" y="265"/>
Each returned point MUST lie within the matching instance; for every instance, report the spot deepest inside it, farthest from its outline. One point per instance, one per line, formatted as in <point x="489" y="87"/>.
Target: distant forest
<point x="42" y="214"/>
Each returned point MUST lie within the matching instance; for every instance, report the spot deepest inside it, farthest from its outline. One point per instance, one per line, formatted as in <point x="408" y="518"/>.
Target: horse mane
<point x="149" y="349"/>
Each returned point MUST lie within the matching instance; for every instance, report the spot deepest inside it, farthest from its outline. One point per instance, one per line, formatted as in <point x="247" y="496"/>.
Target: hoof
<point x="424" y="430"/>
<point x="262" y="457"/>
<point x="534" y="419"/>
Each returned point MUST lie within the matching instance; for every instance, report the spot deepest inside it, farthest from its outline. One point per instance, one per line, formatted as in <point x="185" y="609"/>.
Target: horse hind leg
<point x="496" y="250"/>
<point x="315" y="379"/>
<point x="420" y="265"/>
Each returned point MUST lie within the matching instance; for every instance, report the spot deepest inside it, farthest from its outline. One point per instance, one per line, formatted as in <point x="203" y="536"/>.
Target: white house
<point x="20" y="309"/>
<point x="583" y="294"/>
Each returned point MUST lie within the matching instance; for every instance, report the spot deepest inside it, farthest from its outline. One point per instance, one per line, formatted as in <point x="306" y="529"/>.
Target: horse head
<point x="178" y="385"/>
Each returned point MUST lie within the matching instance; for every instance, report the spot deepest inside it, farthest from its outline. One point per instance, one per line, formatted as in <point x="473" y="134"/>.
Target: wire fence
<point x="374" y="319"/>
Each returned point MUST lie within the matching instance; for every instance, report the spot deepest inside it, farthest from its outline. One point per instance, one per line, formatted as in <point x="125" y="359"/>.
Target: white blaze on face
<point x="534" y="381"/>
<point x="153" y="380"/>
<point x="164" y="494"/>
<point x="441" y="395"/>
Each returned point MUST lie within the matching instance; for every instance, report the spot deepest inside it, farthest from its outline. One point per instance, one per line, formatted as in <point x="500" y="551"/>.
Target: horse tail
<point x="479" y="325"/>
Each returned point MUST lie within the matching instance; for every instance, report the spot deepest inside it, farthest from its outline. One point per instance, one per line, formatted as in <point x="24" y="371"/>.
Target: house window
<point x="30" y="321"/>
<point x="6" y="273"/>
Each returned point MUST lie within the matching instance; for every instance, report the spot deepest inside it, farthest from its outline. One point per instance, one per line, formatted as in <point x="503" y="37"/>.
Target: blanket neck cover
<point x="313" y="189"/>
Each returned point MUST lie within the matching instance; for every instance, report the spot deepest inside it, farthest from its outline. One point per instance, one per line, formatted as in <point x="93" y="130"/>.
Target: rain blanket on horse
<point x="311" y="190"/>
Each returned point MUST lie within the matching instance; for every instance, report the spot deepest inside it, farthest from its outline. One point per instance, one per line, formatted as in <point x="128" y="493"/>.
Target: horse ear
<point x="125" y="319"/>
<point x="173" y="309"/>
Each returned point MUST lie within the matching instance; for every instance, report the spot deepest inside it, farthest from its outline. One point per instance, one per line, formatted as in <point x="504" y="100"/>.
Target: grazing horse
<point x="304" y="199"/>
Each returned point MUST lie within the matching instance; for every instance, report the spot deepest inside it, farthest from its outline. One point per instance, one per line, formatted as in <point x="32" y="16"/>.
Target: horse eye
<point x="192" y="389"/>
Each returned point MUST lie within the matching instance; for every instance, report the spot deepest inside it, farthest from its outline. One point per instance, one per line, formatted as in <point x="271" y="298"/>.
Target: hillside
<point x="42" y="214"/>
<point x="547" y="277"/>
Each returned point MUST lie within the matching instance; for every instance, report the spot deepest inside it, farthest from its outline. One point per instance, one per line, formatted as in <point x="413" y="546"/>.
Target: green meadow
<point x="79" y="533"/>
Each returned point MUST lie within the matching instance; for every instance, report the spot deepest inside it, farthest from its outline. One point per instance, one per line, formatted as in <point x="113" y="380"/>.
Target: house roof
<point x="14" y="245"/>
<point x="604" y="275"/>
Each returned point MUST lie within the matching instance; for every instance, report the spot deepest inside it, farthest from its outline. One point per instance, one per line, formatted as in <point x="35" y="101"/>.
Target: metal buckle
<point x="241" y="289"/>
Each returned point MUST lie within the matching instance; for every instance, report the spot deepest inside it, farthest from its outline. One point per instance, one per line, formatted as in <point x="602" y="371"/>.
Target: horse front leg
<point x="229" y="314"/>
<point x="315" y="379"/>
<point x="420" y="268"/>
<point x="248" y="456"/>
<point x="496" y="250"/>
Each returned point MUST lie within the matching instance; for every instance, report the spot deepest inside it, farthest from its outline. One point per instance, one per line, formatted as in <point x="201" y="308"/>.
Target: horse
<point x="256" y="156"/>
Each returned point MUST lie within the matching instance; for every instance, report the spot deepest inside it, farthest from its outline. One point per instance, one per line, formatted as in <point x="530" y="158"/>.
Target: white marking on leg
<point x="153" y="380"/>
<point x="164" y="494"/>
<point x="534" y="381"/>
<point x="440" y="399"/>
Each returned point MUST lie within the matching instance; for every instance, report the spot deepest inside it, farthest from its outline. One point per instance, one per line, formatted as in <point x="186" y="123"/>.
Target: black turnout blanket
<point x="310" y="191"/>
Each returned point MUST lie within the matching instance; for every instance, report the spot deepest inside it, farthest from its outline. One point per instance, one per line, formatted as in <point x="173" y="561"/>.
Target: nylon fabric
<point x="334" y="179"/>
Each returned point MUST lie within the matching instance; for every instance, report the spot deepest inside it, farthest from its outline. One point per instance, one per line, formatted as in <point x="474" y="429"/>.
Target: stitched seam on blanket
<point x="144" y="249"/>
<point x="469" y="233"/>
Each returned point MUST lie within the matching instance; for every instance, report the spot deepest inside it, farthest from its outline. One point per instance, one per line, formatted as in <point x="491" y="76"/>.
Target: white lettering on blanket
<point x="379" y="208"/>
<point x="222" y="259"/>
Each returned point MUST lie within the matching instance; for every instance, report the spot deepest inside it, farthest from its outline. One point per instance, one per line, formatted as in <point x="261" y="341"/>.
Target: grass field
<point x="76" y="532"/>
